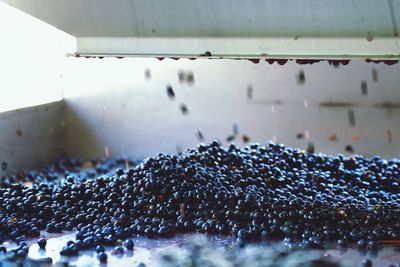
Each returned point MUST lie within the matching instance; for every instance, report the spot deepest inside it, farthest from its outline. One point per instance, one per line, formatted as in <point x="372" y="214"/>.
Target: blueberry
<point x="372" y="245"/>
<point x="241" y="233"/>
<point x="70" y="250"/>
<point x="42" y="243"/>
<point x="21" y="253"/>
<point x="361" y="244"/>
<point x="177" y="196"/>
<point x="119" y="171"/>
<point x="163" y="231"/>
<point x="118" y="250"/>
<point x="129" y="244"/>
<point x="24" y="248"/>
<point x="170" y="92"/>
<point x="22" y="243"/>
<point x="366" y="263"/>
<point x="102" y="257"/>
<point x="184" y="109"/>
<point x="240" y="242"/>
<point x="301" y="77"/>
<point x="100" y="248"/>
<point x="341" y="243"/>
<point x="12" y="256"/>
<point x="4" y="165"/>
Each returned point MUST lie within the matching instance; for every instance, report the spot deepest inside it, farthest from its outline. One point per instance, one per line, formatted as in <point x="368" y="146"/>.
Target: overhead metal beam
<point x="227" y="28"/>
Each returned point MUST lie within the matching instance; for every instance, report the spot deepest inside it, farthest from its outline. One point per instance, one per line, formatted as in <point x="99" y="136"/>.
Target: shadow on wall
<point x="82" y="140"/>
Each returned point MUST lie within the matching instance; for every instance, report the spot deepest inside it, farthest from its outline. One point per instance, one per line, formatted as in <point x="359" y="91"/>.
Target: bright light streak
<point x="32" y="54"/>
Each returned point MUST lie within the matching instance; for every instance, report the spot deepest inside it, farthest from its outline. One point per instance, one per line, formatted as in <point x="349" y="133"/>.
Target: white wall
<point x="110" y="103"/>
<point x="118" y="107"/>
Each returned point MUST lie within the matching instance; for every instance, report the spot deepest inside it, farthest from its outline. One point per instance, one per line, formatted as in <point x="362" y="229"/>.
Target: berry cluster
<point x="257" y="192"/>
<point x="63" y="168"/>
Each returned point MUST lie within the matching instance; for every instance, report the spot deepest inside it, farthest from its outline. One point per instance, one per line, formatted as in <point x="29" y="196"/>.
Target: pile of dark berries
<point x="254" y="193"/>
<point x="67" y="167"/>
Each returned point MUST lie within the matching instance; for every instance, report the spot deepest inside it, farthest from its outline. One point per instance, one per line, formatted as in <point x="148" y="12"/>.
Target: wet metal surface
<point x="146" y="251"/>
